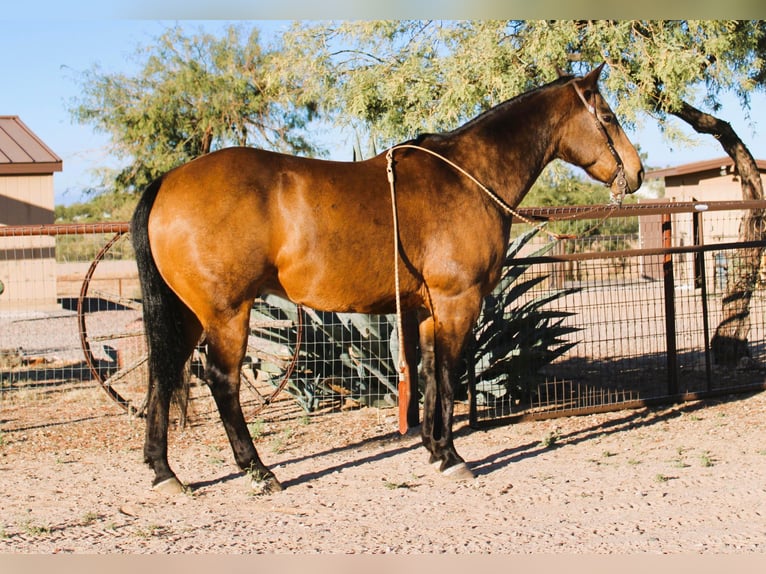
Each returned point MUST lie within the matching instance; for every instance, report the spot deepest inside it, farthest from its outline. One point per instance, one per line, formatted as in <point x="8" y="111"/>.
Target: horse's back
<point x="262" y="221"/>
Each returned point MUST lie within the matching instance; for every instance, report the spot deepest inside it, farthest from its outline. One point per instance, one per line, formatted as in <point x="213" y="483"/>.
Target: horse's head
<point x="594" y="140"/>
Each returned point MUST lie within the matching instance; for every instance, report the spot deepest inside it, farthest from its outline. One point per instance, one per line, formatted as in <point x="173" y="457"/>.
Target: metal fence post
<point x="670" y="305"/>
<point x="700" y="281"/>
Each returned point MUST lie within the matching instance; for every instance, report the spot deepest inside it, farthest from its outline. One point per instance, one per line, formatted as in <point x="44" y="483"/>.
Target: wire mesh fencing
<point x="70" y="317"/>
<point x="41" y="272"/>
<point x="605" y="317"/>
<point x="643" y="320"/>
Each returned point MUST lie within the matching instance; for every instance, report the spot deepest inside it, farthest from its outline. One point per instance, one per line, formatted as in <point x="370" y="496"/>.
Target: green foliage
<point x="560" y="186"/>
<point x="513" y="341"/>
<point x="557" y="187"/>
<point x="100" y="208"/>
<point x="396" y="79"/>
<point x="82" y="248"/>
<point x="400" y="78"/>
<point x="550" y="440"/>
<point x="256" y="428"/>
<point x="104" y="207"/>
<point x="193" y="94"/>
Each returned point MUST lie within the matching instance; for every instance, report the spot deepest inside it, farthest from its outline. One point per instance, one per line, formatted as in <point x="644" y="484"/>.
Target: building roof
<point x="724" y="163"/>
<point x="22" y="152"/>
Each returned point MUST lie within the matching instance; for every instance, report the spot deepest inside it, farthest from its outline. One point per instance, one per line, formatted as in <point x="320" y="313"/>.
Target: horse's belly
<point x="353" y="289"/>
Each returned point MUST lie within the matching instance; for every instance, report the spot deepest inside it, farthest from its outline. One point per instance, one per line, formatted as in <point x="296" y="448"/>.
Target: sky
<point x="43" y="62"/>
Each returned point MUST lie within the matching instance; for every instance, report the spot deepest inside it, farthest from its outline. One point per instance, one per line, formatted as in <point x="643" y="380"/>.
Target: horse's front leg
<point x="442" y="342"/>
<point x="431" y="400"/>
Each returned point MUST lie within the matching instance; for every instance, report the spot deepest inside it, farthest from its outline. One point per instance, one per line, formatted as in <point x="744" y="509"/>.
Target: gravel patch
<point x="681" y="479"/>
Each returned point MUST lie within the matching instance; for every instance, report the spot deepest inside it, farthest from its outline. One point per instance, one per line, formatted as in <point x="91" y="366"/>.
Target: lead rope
<point x="401" y="362"/>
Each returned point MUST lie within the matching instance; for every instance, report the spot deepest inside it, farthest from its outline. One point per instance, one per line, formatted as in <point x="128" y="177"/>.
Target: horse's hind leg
<point x="226" y="348"/>
<point x="173" y="364"/>
<point x="156" y="440"/>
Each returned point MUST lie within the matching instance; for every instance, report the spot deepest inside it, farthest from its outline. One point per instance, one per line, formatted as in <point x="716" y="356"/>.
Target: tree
<point x="666" y="63"/>
<point x="191" y="95"/>
<point x="395" y="78"/>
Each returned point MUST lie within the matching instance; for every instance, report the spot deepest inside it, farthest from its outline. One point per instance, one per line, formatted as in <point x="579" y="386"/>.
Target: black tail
<point x="162" y="307"/>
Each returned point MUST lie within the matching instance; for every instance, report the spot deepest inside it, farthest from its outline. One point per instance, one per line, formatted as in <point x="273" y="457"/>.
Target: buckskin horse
<point x="215" y="233"/>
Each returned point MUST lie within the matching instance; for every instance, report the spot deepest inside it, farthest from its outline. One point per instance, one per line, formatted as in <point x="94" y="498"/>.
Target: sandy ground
<point x="682" y="479"/>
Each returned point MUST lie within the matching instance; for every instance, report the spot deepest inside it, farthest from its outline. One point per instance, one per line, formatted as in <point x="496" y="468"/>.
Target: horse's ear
<point x="560" y="71"/>
<point x="593" y="76"/>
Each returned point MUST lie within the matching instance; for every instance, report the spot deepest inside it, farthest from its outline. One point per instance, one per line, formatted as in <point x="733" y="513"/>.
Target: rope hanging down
<point x="400" y="360"/>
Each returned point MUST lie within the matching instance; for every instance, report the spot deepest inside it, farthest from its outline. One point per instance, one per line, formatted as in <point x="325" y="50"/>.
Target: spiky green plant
<point x="512" y="343"/>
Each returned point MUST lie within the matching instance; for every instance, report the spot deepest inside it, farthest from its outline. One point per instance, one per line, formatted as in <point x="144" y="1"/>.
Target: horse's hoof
<point x="265" y="486"/>
<point x="460" y="471"/>
<point x="170" y="486"/>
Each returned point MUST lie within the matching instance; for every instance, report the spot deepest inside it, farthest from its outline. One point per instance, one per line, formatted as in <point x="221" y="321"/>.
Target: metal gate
<point x="643" y="320"/>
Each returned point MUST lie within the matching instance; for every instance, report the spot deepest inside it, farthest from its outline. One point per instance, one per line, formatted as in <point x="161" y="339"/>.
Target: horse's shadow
<point x="642" y="418"/>
<point x="393" y="437"/>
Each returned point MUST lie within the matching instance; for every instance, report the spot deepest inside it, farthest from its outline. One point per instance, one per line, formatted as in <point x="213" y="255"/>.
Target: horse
<point x="217" y="232"/>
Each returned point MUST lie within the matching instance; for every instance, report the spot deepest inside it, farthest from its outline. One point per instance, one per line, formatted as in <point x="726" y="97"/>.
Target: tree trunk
<point x="730" y="344"/>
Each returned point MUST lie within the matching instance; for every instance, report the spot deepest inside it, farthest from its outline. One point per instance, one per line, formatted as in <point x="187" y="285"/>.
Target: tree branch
<point x="704" y="123"/>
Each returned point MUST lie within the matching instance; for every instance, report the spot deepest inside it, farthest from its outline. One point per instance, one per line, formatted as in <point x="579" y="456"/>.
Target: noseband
<point x="619" y="170"/>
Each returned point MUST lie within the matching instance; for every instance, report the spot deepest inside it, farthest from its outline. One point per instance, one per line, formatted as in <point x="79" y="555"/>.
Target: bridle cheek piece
<point x="619" y="170"/>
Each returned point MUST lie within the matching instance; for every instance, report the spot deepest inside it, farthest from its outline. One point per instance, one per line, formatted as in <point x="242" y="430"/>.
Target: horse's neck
<point x="508" y="147"/>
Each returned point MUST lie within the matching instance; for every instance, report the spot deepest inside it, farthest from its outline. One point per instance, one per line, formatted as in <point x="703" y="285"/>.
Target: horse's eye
<point x="607" y="118"/>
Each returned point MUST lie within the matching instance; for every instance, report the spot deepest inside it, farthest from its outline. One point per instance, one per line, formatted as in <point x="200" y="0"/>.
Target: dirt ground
<point x="680" y="479"/>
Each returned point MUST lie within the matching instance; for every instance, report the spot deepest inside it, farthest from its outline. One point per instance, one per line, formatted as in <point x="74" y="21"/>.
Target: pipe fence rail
<point x="638" y="307"/>
<point x="637" y="339"/>
<point x="644" y="309"/>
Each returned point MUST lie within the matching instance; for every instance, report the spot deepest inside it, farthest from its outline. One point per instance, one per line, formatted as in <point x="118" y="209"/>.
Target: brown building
<point x="702" y="181"/>
<point x="709" y="180"/>
<point x="27" y="264"/>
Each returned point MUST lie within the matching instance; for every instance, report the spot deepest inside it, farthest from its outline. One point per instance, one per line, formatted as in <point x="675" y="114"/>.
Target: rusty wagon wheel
<point x="109" y="314"/>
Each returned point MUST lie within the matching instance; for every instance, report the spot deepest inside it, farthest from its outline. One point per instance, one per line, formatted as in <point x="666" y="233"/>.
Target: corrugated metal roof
<point x="22" y="152"/>
<point x="698" y="167"/>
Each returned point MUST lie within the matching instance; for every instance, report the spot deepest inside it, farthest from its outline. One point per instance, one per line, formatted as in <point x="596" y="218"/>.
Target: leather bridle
<point x="619" y="171"/>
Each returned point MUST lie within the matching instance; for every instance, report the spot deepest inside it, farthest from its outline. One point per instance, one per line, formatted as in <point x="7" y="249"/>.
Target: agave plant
<point x="512" y="343"/>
